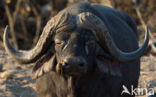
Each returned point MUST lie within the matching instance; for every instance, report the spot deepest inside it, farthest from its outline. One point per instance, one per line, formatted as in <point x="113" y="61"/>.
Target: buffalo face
<point x="75" y="51"/>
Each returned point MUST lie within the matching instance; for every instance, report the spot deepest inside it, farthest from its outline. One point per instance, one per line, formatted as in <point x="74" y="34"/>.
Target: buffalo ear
<point x="106" y="63"/>
<point x="44" y="65"/>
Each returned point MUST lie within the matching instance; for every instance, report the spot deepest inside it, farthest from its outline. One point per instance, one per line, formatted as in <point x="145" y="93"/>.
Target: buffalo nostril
<point x="65" y="65"/>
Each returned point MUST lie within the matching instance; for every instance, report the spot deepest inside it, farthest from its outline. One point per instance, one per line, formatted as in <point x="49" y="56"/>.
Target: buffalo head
<point x="71" y="44"/>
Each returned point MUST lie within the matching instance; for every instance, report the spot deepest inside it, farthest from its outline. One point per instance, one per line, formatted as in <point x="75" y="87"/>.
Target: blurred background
<point x="27" y="18"/>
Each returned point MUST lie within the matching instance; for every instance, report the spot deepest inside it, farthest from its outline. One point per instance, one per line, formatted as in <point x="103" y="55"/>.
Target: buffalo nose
<point x="73" y="63"/>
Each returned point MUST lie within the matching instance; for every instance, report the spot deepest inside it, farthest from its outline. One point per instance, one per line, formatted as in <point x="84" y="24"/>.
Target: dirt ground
<point x="15" y="79"/>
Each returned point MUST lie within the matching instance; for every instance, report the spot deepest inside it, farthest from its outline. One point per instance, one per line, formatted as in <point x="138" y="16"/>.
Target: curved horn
<point x="42" y="45"/>
<point x="27" y="56"/>
<point x="91" y="21"/>
<point x="152" y="44"/>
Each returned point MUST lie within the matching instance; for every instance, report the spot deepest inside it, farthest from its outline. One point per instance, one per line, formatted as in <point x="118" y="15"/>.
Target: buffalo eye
<point x="59" y="42"/>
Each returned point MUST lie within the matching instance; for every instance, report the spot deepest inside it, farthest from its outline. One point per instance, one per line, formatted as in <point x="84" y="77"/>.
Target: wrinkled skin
<point x="87" y="50"/>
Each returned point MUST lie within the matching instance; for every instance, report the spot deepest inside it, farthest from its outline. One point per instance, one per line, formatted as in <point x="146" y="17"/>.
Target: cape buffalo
<point x="86" y="50"/>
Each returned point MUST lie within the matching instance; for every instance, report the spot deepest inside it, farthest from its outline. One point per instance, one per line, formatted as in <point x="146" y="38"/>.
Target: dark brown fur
<point x="95" y="84"/>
